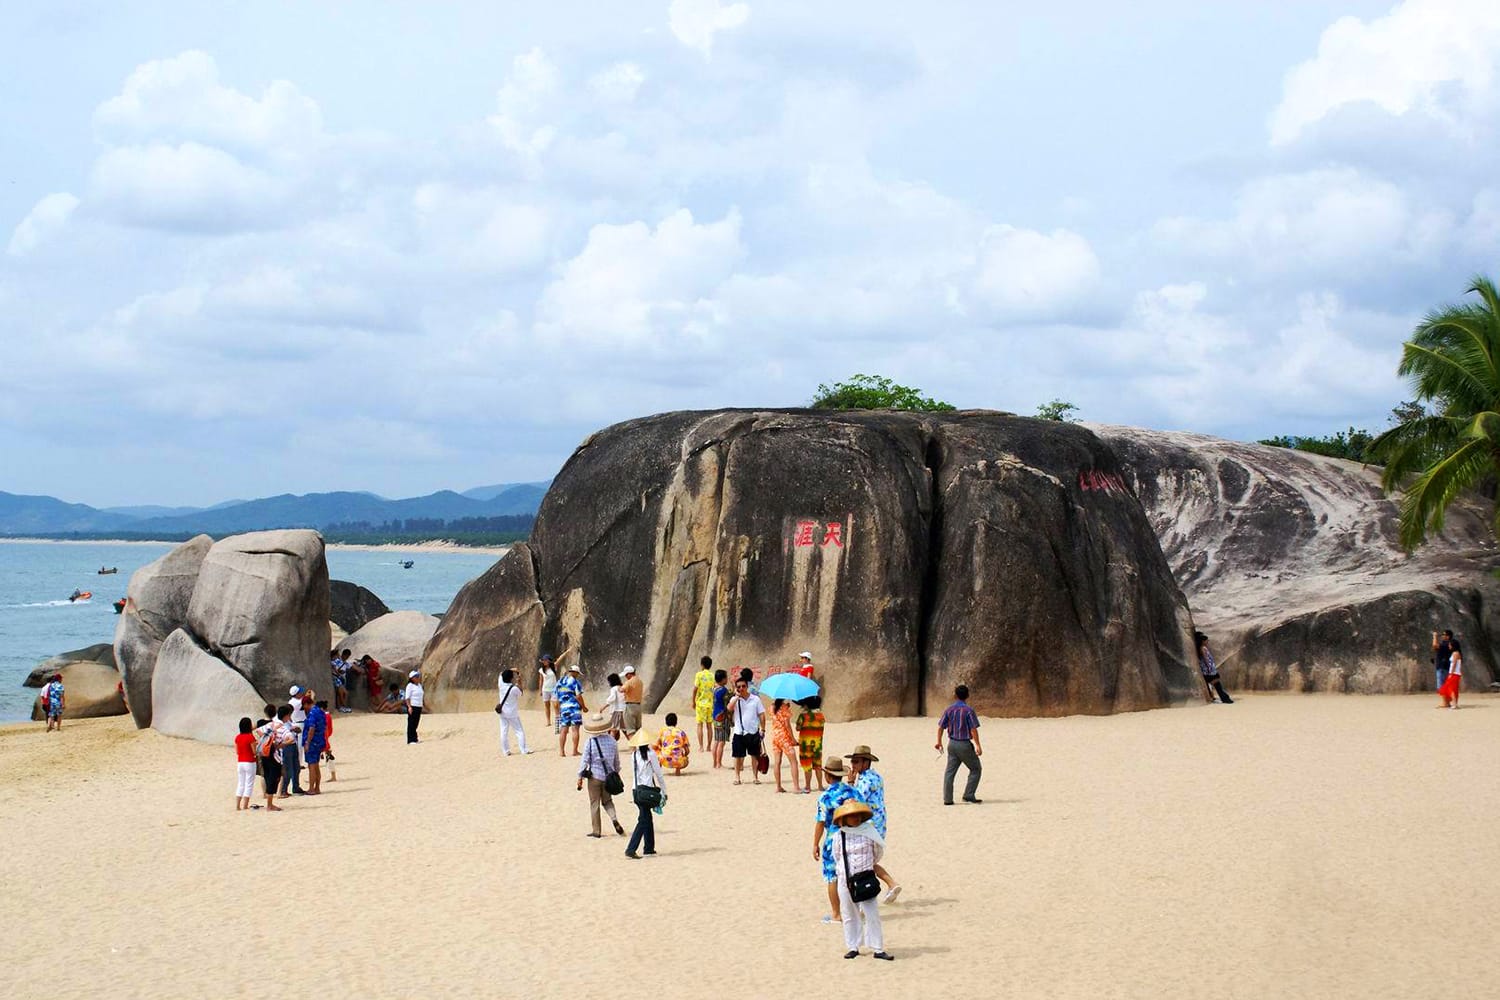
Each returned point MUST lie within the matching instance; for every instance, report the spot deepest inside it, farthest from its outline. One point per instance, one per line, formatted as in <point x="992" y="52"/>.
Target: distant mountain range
<point x="43" y="515"/>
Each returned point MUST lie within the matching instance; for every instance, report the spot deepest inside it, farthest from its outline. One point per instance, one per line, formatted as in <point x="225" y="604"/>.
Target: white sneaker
<point x="890" y="896"/>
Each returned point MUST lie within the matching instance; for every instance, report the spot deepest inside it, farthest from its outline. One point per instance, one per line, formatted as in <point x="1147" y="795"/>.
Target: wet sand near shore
<point x="1313" y="846"/>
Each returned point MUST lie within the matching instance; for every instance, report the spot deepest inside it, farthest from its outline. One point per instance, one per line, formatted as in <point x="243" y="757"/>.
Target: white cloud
<point x="1430" y="57"/>
<point x="695" y="22"/>
<point x="1024" y="273"/>
<point x="521" y="100"/>
<point x="181" y="99"/>
<point x="619" y="84"/>
<point x="45" y="218"/>
<point x="482" y="229"/>
<point x="641" y="287"/>
<point x="186" y="187"/>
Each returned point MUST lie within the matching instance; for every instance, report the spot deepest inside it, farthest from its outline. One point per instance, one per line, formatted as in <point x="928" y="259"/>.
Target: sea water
<point x="36" y="578"/>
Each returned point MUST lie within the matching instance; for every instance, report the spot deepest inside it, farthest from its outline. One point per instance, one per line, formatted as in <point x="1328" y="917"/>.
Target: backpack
<point x="268" y="744"/>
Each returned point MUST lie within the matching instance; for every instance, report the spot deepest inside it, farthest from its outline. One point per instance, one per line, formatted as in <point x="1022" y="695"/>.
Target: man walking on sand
<point x="962" y="728"/>
<point x="1442" y="654"/>
<point x="703" y="701"/>
<point x="747" y="715"/>
<point x="633" y="688"/>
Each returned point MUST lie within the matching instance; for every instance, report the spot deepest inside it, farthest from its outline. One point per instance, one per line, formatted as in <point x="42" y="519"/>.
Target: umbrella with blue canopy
<point x="790" y="686"/>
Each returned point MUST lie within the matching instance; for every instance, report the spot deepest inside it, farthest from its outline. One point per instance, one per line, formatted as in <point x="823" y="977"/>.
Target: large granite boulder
<point x="396" y="640"/>
<point x="1293" y="566"/>
<point x="261" y="604"/>
<point x="156" y="604"/>
<point x="351" y="606"/>
<point x="494" y="623"/>
<point x="906" y="551"/>
<point x="196" y="695"/>
<point x="101" y="652"/>
<point x="92" y="689"/>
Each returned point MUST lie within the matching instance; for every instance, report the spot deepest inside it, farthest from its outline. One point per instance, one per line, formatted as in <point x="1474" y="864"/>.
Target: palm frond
<point x="1426" y="500"/>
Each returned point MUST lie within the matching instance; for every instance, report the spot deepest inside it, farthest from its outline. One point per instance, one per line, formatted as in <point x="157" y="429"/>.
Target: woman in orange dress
<point x="783" y="743"/>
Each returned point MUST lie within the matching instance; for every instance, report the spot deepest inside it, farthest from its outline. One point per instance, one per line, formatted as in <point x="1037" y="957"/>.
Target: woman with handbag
<point x="857" y="849"/>
<point x="649" y="793"/>
<point x="601" y="768"/>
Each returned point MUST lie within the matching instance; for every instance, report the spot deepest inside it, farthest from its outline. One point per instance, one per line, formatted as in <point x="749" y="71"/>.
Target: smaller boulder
<point x="352" y="607"/>
<point x="196" y="695"/>
<point x="101" y="652"/>
<point x="396" y="640"/>
<point x="91" y="689"/>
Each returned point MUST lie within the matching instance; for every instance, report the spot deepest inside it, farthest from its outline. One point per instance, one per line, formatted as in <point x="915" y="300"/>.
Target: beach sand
<point x="1312" y="846"/>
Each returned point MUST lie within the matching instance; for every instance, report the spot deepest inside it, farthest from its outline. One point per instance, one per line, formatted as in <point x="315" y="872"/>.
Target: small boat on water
<point x="406" y="563"/>
<point x="80" y="595"/>
<point x="106" y="572"/>
<point x="119" y="606"/>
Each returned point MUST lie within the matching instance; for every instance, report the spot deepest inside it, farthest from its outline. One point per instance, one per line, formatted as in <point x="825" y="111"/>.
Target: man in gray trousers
<point x="962" y="728"/>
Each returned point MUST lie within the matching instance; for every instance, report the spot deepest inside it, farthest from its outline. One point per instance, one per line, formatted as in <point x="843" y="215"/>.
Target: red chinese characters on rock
<point x="1094" y="481"/>
<point x="805" y="534"/>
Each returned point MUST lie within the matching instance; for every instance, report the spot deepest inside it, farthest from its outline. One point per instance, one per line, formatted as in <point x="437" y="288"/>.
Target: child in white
<point x="858" y="847"/>
<point x="510" y="713"/>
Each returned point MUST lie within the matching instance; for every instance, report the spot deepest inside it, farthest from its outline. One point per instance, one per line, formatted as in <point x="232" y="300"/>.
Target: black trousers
<point x="645" y="828"/>
<point x="270" y="773"/>
<point x="1214" y="684"/>
<point x="413" y="719"/>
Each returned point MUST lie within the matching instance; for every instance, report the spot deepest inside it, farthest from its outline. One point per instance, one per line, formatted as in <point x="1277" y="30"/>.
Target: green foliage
<point x="1056" y="410"/>
<point x="1352" y="444"/>
<point x="1448" y="439"/>
<point x="874" y="392"/>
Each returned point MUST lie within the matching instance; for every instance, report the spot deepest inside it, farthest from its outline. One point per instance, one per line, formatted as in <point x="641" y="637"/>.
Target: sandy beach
<point x="1318" y="846"/>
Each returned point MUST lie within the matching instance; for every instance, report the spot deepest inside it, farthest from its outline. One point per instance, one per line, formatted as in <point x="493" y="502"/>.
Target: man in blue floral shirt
<point x="570" y="709"/>
<point x="869" y="786"/>
<point x="836" y="794"/>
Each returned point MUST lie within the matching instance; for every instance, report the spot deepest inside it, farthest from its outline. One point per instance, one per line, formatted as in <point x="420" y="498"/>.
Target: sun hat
<point x="834" y="765"/>
<point x="628" y="669"/>
<point x="640" y="739"/>
<point x="805" y="655"/>
<point x="853" y="807"/>
<point x="575" y="669"/>
<point x="595" y="725"/>
<point x="861" y="751"/>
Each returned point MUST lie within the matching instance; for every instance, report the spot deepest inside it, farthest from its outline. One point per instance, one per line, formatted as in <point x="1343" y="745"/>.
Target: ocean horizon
<point x="38" y="621"/>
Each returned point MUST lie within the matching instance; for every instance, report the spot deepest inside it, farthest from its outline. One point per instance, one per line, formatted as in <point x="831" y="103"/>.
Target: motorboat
<point x="80" y="595"/>
<point x="119" y="606"/>
<point x="407" y="563"/>
<point x="107" y="572"/>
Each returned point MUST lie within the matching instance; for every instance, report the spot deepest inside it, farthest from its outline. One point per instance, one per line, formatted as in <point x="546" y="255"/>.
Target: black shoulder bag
<point x="645" y="795"/>
<point x="863" y="886"/>
<point x="612" y="781"/>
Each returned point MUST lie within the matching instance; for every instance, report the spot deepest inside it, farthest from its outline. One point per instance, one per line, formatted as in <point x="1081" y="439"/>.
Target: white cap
<point x="805" y="655"/>
<point x="413" y="673"/>
<point x="295" y="691"/>
<point x="628" y="669"/>
<point x="575" y="668"/>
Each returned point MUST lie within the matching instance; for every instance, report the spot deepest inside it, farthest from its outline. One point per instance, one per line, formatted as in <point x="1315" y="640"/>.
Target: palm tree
<point x="1453" y="363"/>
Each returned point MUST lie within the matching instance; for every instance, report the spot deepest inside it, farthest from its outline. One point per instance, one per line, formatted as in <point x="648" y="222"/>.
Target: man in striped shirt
<point x="962" y="727"/>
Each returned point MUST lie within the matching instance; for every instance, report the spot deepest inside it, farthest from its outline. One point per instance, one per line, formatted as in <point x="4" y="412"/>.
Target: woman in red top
<point x="244" y="754"/>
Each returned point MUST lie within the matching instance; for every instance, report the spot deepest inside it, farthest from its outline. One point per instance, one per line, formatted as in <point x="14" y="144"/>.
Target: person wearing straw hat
<point x="870" y="787"/>
<point x="570" y="709"/>
<point x="649" y="793"/>
<point x="601" y="758"/>
<point x="857" y="848"/>
<point x="835" y="795"/>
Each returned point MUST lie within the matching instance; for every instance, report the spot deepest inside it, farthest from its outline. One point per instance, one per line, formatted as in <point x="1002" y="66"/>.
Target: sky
<point x="248" y="249"/>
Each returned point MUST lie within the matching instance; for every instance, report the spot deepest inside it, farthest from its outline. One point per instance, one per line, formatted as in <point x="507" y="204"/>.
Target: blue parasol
<point x="790" y="686"/>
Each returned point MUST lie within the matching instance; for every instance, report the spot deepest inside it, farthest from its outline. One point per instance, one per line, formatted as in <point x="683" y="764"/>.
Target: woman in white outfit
<point x="509" y="708"/>
<point x="546" y="671"/>
<point x="614" y="707"/>
<point x="650" y="792"/>
<point x="858" y="847"/>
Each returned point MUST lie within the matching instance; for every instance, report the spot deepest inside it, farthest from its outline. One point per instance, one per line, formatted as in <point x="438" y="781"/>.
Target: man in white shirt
<point x="747" y="718"/>
<point x="291" y="753"/>
<point x="509" y="708"/>
<point x="413" y="705"/>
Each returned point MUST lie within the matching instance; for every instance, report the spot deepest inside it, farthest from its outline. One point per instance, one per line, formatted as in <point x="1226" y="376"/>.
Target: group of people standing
<point x="279" y="745"/>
